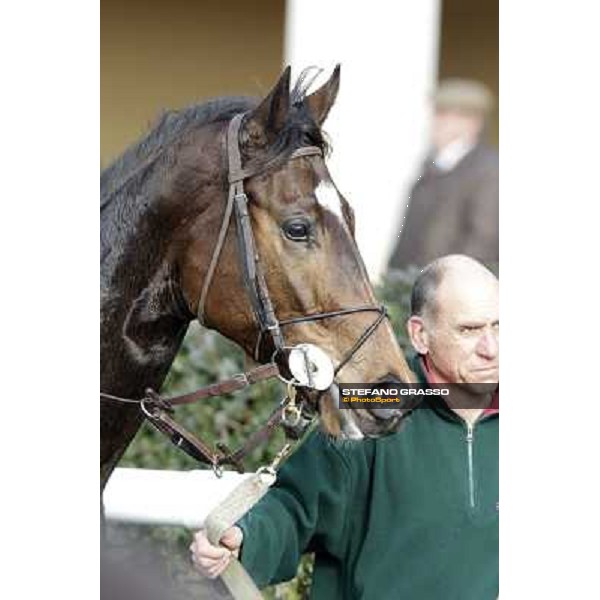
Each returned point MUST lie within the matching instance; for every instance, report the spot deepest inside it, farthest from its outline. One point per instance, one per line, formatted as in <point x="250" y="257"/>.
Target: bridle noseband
<point x="260" y="299"/>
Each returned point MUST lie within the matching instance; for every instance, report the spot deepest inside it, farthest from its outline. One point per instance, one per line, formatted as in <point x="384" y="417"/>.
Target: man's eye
<point x="297" y="230"/>
<point x="468" y="329"/>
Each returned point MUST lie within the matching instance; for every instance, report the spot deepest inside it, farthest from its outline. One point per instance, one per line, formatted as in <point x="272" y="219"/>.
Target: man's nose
<point x="488" y="346"/>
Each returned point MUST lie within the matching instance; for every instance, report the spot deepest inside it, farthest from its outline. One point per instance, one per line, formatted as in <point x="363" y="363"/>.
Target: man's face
<point x="450" y="125"/>
<point x="460" y="338"/>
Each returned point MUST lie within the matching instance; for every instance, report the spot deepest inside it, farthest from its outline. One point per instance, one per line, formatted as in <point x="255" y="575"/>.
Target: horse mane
<point x="137" y="160"/>
<point x="142" y="157"/>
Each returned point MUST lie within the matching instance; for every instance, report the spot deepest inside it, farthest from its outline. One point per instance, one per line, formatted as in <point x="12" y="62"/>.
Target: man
<point x="453" y="206"/>
<point x="411" y="515"/>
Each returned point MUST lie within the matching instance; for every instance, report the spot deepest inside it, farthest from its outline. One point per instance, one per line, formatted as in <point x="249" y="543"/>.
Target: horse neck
<point x="142" y="325"/>
<point x="144" y="316"/>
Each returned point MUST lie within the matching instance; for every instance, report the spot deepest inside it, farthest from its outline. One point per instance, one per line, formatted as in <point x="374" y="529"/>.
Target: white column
<point x="380" y="123"/>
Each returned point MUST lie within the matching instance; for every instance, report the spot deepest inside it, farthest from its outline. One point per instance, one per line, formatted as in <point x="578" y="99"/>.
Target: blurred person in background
<point x="453" y="206"/>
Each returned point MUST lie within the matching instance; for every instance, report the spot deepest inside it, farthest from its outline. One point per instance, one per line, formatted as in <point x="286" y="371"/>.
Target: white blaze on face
<point x="328" y="198"/>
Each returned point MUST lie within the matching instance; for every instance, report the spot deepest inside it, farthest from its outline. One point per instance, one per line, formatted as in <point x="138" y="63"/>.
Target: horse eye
<point x="297" y="230"/>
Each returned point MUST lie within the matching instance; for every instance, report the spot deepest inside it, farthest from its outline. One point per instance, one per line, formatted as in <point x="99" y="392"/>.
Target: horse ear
<point x="320" y="102"/>
<point x="267" y="119"/>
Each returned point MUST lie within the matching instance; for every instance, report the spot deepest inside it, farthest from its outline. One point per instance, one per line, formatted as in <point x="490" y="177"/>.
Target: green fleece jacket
<point x="410" y="516"/>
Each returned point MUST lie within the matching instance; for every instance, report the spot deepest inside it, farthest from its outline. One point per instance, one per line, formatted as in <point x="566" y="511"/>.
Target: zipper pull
<point x="469" y="432"/>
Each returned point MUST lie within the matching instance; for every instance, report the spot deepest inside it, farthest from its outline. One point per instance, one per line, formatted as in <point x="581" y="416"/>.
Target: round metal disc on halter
<point x="311" y="367"/>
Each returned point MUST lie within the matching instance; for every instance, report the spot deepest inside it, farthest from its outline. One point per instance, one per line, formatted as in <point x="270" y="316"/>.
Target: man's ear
<point x="264" y="123"/>
<point x="320" y="102"/>
<point x="418" y="334"/>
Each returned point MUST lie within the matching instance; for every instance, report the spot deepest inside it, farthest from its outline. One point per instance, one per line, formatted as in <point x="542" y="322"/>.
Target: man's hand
<point x="211" y="560"/>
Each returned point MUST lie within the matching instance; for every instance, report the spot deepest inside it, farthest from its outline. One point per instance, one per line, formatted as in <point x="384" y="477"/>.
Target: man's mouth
<point x="484" y="370"/>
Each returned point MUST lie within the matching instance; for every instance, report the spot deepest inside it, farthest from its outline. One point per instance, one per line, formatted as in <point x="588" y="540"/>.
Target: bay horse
<point x="162" y="208"/>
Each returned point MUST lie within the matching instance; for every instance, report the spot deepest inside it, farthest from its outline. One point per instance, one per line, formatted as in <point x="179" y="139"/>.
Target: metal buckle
<point x="150" y="408"/>
<point x="155" y="400"/>
<point x="271" y="469"/>
<point x="217" y="469"/>
<point x="291" y="414"/>
<point x="242" y="378"/>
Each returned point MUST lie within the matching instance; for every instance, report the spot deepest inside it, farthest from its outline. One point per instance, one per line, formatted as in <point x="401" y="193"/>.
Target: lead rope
<point x="234" y="507"/>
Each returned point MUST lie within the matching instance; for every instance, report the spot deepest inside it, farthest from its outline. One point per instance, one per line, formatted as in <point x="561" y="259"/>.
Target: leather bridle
<point x="264" y="313"/>
<point x="158" y="409"/>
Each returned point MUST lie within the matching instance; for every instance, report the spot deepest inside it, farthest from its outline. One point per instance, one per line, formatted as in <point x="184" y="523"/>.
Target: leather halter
<point x="264" y="312"/>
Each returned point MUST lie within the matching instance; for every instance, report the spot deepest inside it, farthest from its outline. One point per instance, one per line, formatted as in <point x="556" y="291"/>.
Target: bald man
<point x="412" y="515"/>
<point x="453" y="327"/>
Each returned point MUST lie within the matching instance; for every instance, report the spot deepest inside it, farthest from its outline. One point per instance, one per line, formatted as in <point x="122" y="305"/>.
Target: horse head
<point x="303" y="231"/>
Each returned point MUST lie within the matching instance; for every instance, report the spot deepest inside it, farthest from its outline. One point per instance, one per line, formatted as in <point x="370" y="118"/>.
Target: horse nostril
<point x="385" y="414"/>
<point x="389" y="379"/>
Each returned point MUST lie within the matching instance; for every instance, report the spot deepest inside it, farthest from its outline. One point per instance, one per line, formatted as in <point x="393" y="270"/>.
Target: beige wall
<point x="171" y="53"/>
<point x="159" y="54"/>
<point x="469" y="45"/>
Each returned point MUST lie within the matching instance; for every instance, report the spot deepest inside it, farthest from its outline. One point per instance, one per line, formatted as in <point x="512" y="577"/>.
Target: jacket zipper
<point x="470" y="465"/>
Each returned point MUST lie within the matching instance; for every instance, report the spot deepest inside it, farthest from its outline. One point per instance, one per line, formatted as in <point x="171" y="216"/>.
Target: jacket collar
<point x="448" y="157"/>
